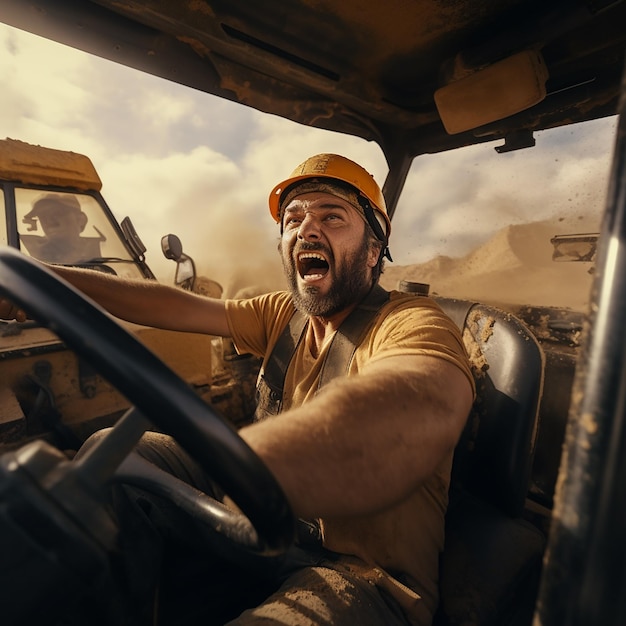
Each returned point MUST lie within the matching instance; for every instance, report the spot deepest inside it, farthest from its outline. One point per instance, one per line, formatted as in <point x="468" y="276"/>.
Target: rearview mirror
<point x="493" y="93"/>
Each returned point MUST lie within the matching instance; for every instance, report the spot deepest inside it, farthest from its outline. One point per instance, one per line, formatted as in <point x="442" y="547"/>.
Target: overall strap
<point x="349" y="335"/>
<point x="271" y="379"/>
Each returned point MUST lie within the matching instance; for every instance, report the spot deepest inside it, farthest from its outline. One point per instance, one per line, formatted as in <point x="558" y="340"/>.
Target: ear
<point x="374" y="252"/>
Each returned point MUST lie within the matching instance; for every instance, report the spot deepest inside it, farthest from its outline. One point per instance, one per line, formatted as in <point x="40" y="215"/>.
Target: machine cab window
<point x="69" y="229"/>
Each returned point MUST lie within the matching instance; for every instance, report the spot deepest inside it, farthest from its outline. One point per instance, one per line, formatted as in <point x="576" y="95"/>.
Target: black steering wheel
<point x="168" y="401"/>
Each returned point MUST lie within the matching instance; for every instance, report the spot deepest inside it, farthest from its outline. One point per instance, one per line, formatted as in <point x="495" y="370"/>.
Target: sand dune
<point x="514" y="267"/>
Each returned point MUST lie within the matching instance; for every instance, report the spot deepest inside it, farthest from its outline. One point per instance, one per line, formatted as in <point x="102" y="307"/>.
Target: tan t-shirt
<point x="406" y="539"/>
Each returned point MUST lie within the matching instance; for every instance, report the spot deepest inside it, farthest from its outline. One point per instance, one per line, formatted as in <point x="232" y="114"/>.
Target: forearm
<point x="367" y="442"/>
<point x="145" y="302"/>
<point x="150" y="303"/>
<point x="131" y="300"/>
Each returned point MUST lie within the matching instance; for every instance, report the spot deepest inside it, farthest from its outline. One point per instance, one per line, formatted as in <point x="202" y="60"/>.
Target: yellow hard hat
<point x="335" y="167"/>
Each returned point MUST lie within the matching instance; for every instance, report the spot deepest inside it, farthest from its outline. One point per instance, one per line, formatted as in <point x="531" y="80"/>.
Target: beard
<point x="351" y="281"/>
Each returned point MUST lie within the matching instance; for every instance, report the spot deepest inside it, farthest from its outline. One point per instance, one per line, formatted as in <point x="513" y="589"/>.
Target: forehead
<point x="319" y="200"/>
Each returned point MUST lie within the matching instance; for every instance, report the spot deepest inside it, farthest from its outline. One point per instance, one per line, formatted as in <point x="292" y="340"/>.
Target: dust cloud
<point x="243" y="259"/>
<point x="513" y="268"/>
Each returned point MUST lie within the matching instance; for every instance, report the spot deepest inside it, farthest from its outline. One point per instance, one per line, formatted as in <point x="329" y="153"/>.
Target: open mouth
<point x="312" y="266"/>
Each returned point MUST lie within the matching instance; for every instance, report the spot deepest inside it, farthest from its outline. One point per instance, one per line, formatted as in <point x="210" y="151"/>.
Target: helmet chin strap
<point x="375" y="225"/>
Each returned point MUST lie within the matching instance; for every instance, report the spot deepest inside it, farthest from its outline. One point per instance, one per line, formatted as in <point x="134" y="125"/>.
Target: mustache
<point x="310" y="246"/>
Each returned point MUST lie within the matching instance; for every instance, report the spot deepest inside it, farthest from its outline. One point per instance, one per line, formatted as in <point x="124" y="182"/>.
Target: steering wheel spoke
<point x="99" y="464"/>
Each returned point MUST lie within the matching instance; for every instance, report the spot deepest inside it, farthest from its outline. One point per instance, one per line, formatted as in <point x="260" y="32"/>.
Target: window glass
<point x="514" y="228"/>
<point x="70" y="229"/>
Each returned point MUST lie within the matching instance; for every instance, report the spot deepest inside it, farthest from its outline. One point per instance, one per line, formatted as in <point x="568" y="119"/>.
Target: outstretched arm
<point x="145" y="302"/>
<point x="366" y="441"/>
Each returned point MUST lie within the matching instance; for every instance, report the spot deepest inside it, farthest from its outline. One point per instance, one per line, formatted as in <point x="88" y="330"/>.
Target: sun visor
<point x="493" y="93"/>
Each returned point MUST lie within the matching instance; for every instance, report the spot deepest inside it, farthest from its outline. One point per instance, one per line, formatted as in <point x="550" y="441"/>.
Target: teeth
<point x="311" y="255"/>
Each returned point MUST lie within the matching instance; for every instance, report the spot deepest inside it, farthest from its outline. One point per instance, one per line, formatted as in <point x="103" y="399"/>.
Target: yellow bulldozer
<point x="54" y="211"/>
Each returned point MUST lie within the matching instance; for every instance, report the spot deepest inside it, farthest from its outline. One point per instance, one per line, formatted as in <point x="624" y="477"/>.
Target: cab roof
<point x="25" y="163"/>
<point x="370" y="69"/>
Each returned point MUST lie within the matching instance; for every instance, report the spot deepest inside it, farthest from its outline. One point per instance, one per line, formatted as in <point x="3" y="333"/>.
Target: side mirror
<point x="185" y="267"/>
<point x="133" y="238"/>
<point x="579" y="247"/>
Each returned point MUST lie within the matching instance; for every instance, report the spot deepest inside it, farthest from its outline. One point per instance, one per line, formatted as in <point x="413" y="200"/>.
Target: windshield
<point x="471" y="223"/>
<point x="515" y="228"/>
<point x="70" y="229"/>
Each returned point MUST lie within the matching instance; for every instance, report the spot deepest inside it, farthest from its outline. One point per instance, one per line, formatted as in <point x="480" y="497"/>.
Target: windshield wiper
<point x="105" y="259"/>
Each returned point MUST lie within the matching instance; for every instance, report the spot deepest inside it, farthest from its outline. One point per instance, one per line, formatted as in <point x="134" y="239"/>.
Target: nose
<point x="309" y="228"/>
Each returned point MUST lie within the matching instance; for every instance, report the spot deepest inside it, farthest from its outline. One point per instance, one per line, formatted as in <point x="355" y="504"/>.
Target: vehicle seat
<point x="492" y="558"/>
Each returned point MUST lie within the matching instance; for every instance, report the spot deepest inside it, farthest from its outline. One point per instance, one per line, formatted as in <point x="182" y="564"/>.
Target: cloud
<point x="212" y="209"/>
<point x="279" y="145"/>
<point x="37" y="88"/>
<point x="455" y="201"/>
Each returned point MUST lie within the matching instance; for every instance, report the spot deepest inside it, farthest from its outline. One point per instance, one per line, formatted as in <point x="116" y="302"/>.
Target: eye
<point x="292" y="220"/>
<point x="333" y="217"/>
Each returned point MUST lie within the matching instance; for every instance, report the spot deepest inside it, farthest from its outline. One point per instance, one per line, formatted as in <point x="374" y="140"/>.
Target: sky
<point x="180" y="161"/>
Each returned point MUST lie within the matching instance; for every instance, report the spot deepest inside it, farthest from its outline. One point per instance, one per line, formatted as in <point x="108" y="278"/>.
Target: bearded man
<point x="362" y="397"/>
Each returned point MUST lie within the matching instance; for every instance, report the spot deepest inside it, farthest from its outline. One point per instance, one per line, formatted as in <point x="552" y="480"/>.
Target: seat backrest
<point x="492" y="557"/>
<point x="493" y="459"/>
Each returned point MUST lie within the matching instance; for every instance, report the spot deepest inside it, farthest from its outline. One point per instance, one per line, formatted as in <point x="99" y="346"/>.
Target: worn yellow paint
<point x="35" y="165"/>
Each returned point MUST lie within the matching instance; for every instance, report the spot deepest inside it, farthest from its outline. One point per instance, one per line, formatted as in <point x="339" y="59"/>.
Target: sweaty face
<point x="326" y="253"/>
